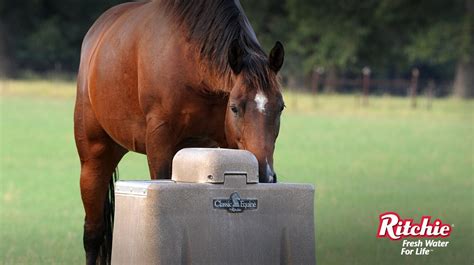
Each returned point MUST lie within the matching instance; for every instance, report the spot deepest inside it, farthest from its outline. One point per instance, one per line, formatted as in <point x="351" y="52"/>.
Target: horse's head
<point x="255" y="105"/>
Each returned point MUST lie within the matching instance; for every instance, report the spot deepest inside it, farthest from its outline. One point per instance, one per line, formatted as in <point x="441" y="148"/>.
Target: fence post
<point x="413" y="86"/>
<point x="3" y="82"/>
<point x="316" y="77"/>
<point x="317" y="72"/>
<point x="365" y="85"/>
<point x="429" y="92"/>
<point x="292" y="87"/>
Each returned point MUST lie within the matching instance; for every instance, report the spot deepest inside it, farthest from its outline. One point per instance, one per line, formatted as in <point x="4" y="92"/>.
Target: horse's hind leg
<point x="99" y="156"/>
<point x="96" y="173"/>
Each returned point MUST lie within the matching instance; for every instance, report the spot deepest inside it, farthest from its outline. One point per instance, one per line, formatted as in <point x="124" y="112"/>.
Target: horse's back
<point x="96" y="35"/>
<point x="100" y="27"/>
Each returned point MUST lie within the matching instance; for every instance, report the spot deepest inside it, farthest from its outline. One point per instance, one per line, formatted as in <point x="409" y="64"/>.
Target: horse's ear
<point x="236" y="56"/>
<point x="277" y="55"/>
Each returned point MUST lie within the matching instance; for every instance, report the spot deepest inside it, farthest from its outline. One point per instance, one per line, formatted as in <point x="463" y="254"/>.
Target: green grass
<point x="363" y="161"/>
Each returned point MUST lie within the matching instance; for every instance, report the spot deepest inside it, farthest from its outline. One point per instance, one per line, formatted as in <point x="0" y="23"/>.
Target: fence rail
<point x="365" y="85"/>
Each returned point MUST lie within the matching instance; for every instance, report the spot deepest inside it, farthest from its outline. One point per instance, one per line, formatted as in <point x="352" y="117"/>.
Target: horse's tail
<point x="105" y="252"/>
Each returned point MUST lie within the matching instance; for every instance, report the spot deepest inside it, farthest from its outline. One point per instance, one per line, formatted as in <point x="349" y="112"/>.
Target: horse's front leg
<point x="161" y="142"/>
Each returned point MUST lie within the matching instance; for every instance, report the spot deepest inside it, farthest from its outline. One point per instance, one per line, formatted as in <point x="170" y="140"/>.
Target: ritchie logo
<point x="395" y="228"/>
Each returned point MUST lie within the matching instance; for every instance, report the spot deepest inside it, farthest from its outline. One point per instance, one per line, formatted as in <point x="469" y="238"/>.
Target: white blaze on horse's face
<point x="261" y="101"/>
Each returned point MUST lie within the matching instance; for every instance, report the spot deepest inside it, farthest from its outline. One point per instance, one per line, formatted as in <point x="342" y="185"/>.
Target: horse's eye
<point x="234" y="109"/>
<point x="282" y="107"/>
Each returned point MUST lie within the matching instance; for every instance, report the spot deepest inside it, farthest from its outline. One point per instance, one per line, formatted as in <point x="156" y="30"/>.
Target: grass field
<point x="363" y="161"/>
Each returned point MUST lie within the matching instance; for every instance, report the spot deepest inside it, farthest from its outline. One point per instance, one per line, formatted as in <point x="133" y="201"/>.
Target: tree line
<point x="339" y="36"/>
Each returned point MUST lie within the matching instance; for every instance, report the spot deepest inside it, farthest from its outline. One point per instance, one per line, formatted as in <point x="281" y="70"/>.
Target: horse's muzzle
<point x="269" y="175"/>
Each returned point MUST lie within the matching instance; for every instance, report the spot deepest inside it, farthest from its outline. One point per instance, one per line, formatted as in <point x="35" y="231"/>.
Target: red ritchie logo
<point x="393" y="227"/>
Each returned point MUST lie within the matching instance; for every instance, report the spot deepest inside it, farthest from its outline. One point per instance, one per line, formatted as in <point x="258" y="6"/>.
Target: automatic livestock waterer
<point x="213" y="211"/>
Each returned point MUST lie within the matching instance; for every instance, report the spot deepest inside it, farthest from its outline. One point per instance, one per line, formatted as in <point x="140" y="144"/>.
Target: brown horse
<point x="159" y="76"/>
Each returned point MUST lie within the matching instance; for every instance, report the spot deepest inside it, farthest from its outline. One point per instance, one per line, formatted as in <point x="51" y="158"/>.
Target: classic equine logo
<point x="235" y="204"/>
<point x="395" y="228"/>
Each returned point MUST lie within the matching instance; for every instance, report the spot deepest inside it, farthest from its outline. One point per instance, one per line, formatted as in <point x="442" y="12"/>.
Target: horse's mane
<point x="213" y="25"/>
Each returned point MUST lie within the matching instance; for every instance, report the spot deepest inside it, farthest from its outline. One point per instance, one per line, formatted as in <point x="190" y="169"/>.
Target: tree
<point x="43" y="33"/>
<point x="464" y="80"/>
<point x="390" y="36"/>
<point x="448" y="40"/>
<point x="269" y="19"/>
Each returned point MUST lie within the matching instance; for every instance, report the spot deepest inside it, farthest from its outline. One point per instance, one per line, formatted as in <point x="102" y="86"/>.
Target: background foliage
<point x="341" y="36"/>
